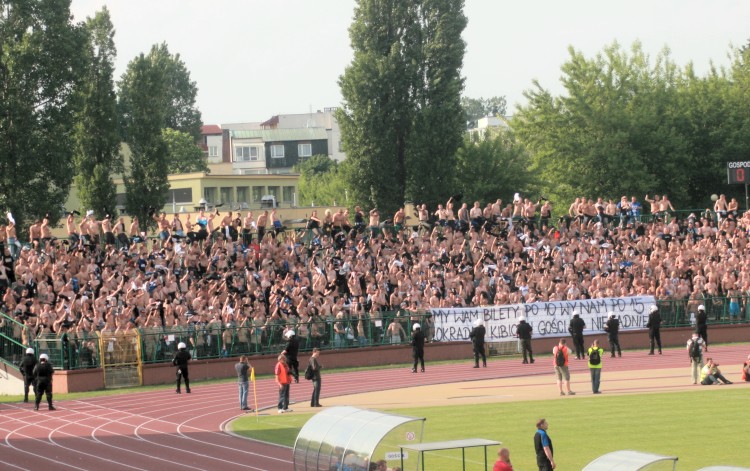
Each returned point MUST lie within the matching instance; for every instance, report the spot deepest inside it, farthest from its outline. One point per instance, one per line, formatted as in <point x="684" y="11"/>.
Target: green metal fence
<point x="70" y="351"/>
<point x="82" y="350"/>
<point x="216" y="340"/>
<point x="719" y="310"/>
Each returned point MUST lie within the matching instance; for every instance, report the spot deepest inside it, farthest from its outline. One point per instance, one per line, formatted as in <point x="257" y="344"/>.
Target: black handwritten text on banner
<point x="547" y="319"/>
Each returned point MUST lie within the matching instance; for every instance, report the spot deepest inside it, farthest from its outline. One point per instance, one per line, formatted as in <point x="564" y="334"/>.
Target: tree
<point x="477" y="108"/>
<point x="439" y="122"/>
<point x="321" y="182"/>
<point x="492" y="164"/>
<point x="375" y="118"/>
<point x="614" y="133"/>
<point x="96" y="137"/>
<point x="140" y="88"/>
<point x="40" y="67"/>
<point x="156" y="93"/>
<point x="401" y="120"/>
<point x="707" y="120"/>
<point x="181" y="114"/>
<point x="183" y="155"/>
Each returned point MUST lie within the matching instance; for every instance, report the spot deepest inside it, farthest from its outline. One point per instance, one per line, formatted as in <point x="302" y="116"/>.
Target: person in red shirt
<point x="746" y="370"/>
<point x="284" y="381"/>
<point x="503" y="461"/>
<point x="560" y="361"/>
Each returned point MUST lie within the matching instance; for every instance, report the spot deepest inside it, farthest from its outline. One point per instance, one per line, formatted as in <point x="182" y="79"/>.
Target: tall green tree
<point x="97" y="141"/>
<point x="492" y="164"/>
<point x="439" y="122"/>
<point x="401" y="119"/>
<point x="40" y="67"/>
<point x="707" y="120"/>
<point x="146" y="184"/>
<point x="738" y="114"/>
<point x="181" y="112"/>
<point x="183" y="155"/>
<point x="156" y="93"/>
<point x="377" y="111"/>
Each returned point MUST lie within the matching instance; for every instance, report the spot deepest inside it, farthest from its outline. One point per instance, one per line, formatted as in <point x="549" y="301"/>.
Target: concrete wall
<point x="154" y="374"/>
<point x="11" y="382"/>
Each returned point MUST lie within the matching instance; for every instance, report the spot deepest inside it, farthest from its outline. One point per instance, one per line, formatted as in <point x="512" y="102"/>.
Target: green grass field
<point x="702" y="427"/>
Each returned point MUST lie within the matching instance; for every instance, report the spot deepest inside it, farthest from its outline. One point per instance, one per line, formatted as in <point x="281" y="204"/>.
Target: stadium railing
<point x="82" y="350"/>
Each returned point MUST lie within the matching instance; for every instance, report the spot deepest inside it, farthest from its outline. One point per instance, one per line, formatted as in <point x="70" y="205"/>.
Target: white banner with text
<point x="549" y="319"/>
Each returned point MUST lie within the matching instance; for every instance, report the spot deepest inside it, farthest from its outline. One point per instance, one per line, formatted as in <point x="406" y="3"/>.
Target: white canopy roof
<point x="626" y="460"/>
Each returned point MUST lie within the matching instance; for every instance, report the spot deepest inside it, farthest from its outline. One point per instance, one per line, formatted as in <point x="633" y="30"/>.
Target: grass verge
<point x="702" y="427"/>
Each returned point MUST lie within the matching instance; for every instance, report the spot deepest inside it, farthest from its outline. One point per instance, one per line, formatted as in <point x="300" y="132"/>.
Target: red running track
<point x="159" y="430"/>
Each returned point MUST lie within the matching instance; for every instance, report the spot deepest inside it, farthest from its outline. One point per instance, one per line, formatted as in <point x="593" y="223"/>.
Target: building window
<point x="226" y="194"/>
<point x="304" y="150"/>
<point x="274" y="191"/>
<point x="213" y="151"/>
<point x="245" y="154"/>
<point x="277" y="151"/>
<point x="209" y="194"/>
<point x="242" y="194"/>
<point x="180" y="196"/>
<point x="287" y="195"/>
<point x="258" y="193"/>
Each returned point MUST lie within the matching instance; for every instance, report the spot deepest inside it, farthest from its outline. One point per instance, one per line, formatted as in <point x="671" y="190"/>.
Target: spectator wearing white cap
<point x="27" y="371"/>
<point x="417" y="347"/>
<point x="701" y="325"/>
<point x="477" y="339"/>
<point x="524" y="331"/>
<point x="612" y="328"/>
<point x="653" y="325"/>
<point x="43" y="372"/>
<point x="180" y="360"/>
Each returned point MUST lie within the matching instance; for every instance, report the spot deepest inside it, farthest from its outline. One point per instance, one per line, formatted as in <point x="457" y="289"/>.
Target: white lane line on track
<point x="34" y="454"/>
<point x="95" y="439"/>
<point x="120" y="422"/>
<point x="51" y="440"/>
<point x="181" y="407"/>
<point x="221" y="433"/>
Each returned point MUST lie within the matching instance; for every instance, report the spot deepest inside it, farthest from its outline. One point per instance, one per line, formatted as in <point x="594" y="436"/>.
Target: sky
<point x="253" y="59"/>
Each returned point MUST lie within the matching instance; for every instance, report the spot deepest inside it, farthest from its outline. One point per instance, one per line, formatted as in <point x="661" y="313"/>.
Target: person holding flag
<point x="242" y="368"/>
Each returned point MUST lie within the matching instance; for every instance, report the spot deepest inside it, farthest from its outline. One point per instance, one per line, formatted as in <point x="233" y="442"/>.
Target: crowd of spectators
<point x="234" y="283"/>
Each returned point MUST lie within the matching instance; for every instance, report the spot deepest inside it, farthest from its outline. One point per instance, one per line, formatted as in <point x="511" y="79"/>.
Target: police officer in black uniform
<point x="653" y="324"/>
<point x="291" y="351"/>
<point x="181" y="359"/>
<point x="524" y="330"/>
<point x="417" y="347"/>
<point x="576" y="331"/>
<point x="43" y="372"/>
<point x="27" y="371"/>
<point x="612" y="327"/>
<point x="701" y="325"/>
<point x="477" y="339"/>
